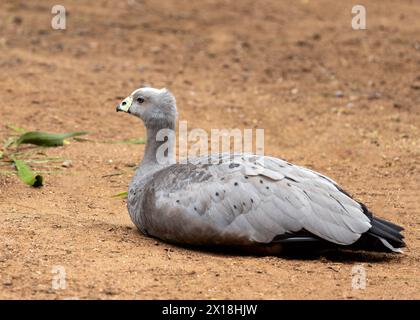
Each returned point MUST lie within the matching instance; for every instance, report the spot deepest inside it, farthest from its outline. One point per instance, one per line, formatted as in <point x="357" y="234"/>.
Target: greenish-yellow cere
<point x="126" y="103"/>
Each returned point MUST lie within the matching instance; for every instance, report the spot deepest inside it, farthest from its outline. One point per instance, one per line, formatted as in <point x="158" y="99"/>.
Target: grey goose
<point x="250" y="202"/>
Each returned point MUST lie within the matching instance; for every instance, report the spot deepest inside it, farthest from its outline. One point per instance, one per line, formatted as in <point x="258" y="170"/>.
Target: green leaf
<point x="131" y="141"/>
<point x="47" y="139"/>
<point x="121" y="195"/>
<point x="27" y="175"/>
<point x="15" y="128"/>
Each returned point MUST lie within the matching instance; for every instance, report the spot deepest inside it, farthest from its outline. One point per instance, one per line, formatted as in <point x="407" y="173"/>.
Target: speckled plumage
<point x="250" y="200"/>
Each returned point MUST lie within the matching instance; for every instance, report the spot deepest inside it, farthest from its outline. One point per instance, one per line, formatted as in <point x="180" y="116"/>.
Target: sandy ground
<point x="276" y="65"/>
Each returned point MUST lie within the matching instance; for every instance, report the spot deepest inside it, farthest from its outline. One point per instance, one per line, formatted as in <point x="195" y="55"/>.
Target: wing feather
<point x="255" y="199"/>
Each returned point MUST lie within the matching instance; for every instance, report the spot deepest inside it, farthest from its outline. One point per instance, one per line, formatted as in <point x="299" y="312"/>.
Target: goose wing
<point x="252" y="198"/>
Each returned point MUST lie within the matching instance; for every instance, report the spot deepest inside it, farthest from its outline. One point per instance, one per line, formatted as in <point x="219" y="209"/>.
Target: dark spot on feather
<point x="246" y="177"/>
<point x="177" y="201"/>
<point x="233" y="165"/>
<point x="243" y="203"/>
<point x="234" y="206"/>
<point x="252" y="200"/>
<point x="267" y="188"/>
<point x="222" y="179"/>
<point x="291" y="179"/>
<point x="235" y="184"/>
<point x="217" y="194"/>
<point x="261" y="181"/>
<point x="195" y="209"/>
<point x="288" y="184"/>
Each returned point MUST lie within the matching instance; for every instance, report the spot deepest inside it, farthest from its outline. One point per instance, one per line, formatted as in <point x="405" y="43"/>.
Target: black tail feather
<point x="390" y="224"/>
<point x="386" y="232"/>
<point x="383" y="235"/>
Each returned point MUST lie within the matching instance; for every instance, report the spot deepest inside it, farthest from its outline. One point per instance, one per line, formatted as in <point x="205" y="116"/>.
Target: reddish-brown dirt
<point x="276" y="65"/>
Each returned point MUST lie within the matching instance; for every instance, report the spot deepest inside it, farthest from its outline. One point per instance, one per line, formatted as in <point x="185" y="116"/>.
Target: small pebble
<point x="7" y="282"/>
<point x="131" y="165"/>
<point x="339" y="94"/>
<point x="67" y="164"/>
<point x="110" y="291"/>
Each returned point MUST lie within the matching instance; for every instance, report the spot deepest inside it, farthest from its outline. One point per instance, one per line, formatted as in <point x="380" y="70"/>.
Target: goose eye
<point x="140" y="100"/>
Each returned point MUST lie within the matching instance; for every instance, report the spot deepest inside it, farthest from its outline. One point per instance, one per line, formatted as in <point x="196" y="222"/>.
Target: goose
<point x="247" y="201"/>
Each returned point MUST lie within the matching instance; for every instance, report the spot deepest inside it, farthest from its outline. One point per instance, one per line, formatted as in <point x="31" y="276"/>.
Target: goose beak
<point x="125" y="105"/>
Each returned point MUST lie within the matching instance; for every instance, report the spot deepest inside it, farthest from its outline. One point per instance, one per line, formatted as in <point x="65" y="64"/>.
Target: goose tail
<point x="383" y="236"/>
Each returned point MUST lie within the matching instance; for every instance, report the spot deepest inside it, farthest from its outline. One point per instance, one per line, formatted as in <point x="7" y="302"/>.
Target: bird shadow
<point x="343" y="256"/>
<point x="292" y="252"/>
<point x="304" y="254"/>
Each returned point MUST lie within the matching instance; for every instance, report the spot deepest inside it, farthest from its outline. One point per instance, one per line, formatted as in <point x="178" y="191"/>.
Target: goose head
<point x="155" y="107"/>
